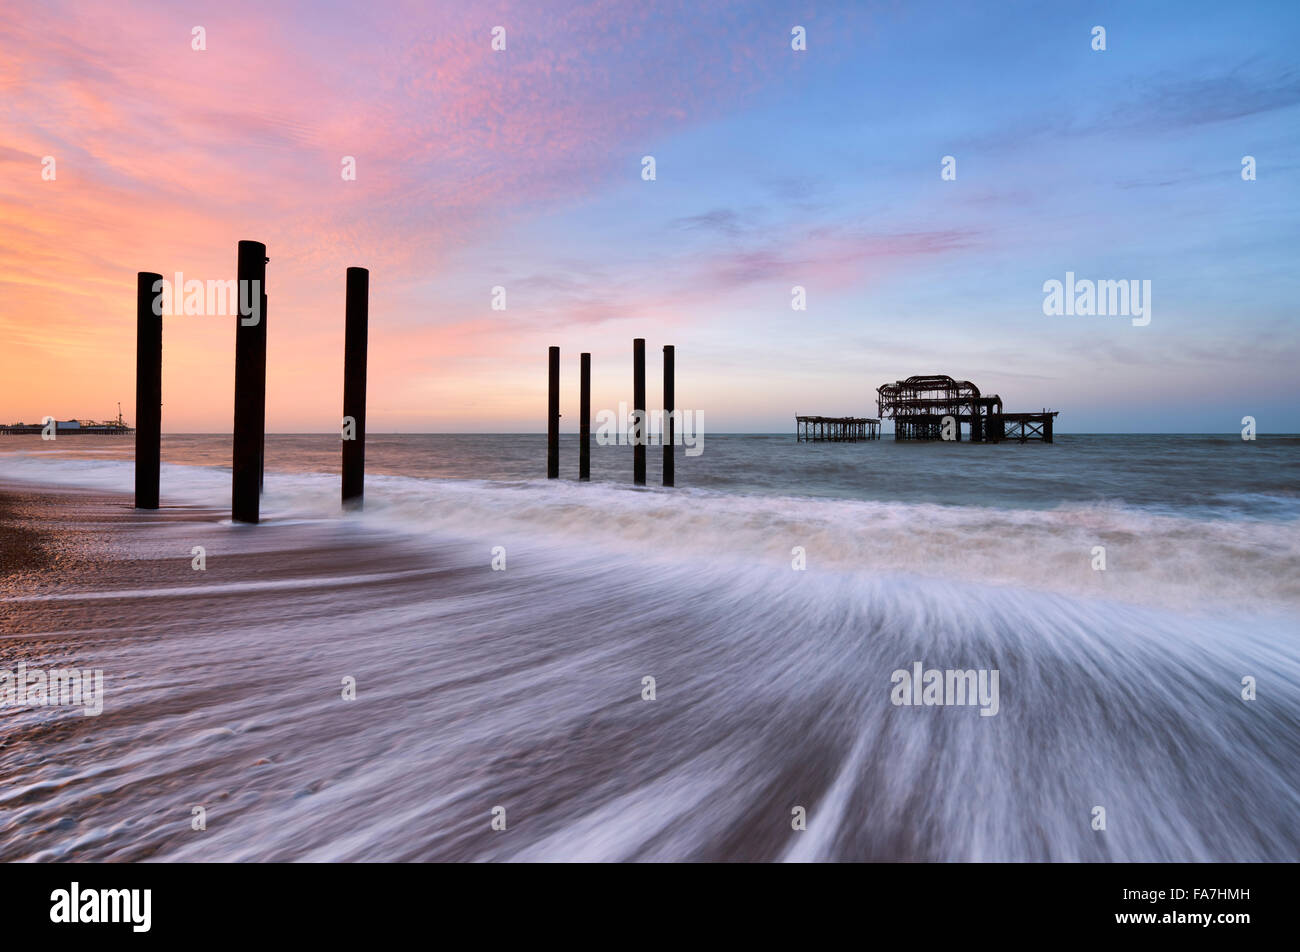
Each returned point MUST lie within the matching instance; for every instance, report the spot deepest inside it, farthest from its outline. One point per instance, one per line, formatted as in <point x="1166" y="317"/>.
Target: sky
<point x="819" y="168"/>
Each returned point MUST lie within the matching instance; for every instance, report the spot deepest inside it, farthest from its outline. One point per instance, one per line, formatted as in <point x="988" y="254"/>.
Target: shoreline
<point x="225" y="688"/>
<point x="50" y="529"/>
<point x="1171" y="561"/>
<point x="88" y="542"/>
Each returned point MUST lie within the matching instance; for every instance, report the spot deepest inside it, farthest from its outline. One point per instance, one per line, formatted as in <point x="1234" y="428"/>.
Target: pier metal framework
<point x="1024" y="427"/>
<point x="816" y="429"/>
<point x="919" y="406"/>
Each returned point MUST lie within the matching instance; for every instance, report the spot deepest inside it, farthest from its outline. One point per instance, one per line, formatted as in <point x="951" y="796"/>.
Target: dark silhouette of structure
<point x="553" y="413"/>
<point x="935" y="407"/>
<point x="69" y="428"/>
<point x="584" y="421"/>
<point x="248" y="452"/>
<point x="250" y="386"/>
<point x="148" y="390"/>
<point x="357" y="319"/>
<point x="825" y="429"/>
<point x="639" y="424"/>
<point x="670" y="402"/>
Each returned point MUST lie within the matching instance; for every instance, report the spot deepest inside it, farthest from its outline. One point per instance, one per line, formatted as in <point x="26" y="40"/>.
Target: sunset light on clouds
<point x="522" y="169"/>
<point x="648" y="431"/>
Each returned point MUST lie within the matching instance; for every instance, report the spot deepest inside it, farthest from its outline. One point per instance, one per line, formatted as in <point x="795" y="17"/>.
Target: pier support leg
<point x="553" y="416"/>
<point x="638" y="411"/>
<point x="584" y="419"/>
<point x="250" y="383"/>
<point x="670" y="404"/>
<point x="356" y="320"/>
<point x="148" y="391"/>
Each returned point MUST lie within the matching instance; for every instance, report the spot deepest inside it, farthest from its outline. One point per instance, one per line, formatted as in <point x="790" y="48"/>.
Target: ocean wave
<point x="524" y="691"/>
<point x="1150" y="557"/>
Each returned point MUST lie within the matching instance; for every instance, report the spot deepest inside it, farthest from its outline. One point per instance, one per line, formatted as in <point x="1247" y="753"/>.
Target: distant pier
<point x="935" y="407"/>
<point x="824" y="429"/>
<point x="932" y="407"/>
<point x="68" y="428"/>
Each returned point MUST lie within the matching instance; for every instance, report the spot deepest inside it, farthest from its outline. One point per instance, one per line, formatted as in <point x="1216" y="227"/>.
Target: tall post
<point x="584" y="419"/>
<point x="250" y="382"/>
<point x="148" y="390"/>
<point x="553" y="417"/>
<point x="638" y="411"/>
<point x="669" y="429"/>
<point x="354" y="386"/>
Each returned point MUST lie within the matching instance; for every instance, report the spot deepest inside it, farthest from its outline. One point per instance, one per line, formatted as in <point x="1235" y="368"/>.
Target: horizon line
<point x="542" y="433"/>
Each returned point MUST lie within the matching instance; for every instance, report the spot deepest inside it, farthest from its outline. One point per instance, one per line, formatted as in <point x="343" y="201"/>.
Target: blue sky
<point x="1123" y="164"/>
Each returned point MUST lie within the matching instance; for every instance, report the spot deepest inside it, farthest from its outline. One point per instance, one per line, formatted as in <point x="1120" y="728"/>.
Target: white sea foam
<point x="522" y="689"/>
<point x="1171" y="560"/>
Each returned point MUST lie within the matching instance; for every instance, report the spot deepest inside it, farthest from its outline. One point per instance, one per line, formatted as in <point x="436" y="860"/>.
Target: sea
<point x="574" y="671"/>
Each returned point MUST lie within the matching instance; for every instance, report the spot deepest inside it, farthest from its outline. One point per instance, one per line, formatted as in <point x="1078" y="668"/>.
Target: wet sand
<point x="522" y="690"/>
<point x="85" y="579"/>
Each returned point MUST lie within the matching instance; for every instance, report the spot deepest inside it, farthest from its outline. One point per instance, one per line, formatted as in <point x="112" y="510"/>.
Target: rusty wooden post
<point x="148" y="388"/>
<point x="356" y="319"/>
<point x="668" y="429"/>
<point x="584" y="419"/>
<point x="638" y="411"/>
<point x="553" y="417"/>
<point x="250" y="383"/>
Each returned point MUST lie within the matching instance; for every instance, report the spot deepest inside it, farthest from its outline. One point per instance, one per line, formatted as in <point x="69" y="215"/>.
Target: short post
<point x="584" y="419"/>
<point x="553" y="417"/>
<point x="638" y="411"/>
<point x="668" y="429"/>
<point x="250" y="383"/>
<point x="356" y="319"/>
<point x="148" y="389"/>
